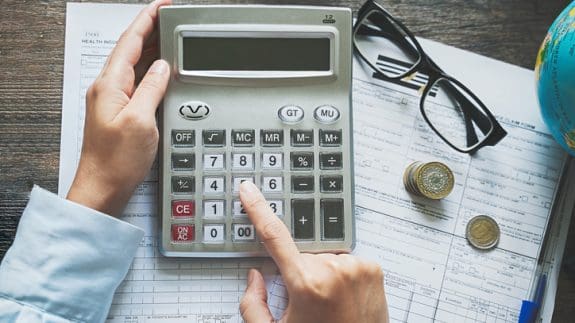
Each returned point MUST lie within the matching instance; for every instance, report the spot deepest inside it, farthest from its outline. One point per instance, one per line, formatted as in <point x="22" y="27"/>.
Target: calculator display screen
<point x="256" y="54"/>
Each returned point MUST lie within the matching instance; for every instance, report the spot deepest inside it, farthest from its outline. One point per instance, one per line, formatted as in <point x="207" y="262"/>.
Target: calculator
<point x="263" y="94"/>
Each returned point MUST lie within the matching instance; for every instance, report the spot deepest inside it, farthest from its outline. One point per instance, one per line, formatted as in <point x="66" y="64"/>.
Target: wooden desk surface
<point x="31" y="70"/>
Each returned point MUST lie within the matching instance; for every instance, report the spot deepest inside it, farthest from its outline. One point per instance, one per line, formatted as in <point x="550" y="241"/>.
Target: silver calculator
<point x="263" y="94"/>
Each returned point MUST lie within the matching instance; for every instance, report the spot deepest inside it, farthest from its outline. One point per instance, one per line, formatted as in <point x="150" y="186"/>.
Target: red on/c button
<point x="183" y="208"/>
<point x="183" y="232"/>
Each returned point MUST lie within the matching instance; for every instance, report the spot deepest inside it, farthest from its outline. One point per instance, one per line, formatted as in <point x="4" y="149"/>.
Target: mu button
<point x="183" y="208"/>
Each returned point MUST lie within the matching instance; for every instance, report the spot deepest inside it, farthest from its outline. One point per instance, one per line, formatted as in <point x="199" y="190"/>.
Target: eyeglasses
<point x="450" y="108"/>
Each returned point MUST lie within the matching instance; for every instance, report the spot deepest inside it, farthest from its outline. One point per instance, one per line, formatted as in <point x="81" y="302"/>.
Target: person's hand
<point x="321" y="288"/>
<point x="120" y="133"/>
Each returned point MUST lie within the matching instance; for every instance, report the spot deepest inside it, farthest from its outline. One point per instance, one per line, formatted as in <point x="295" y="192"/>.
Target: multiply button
<point x="183" y="138"/>
<point x="329" y="138"/>
<point x="303" y="219"/>
<point x="301" y="137"/>
<point x="326" y="114"/>
<point x="243" y="137"/>
<point x="214" y="138"/>
<point x="290" y="114"/>
<point x="273" y="137"/>
<point x="331" y="184"/>
<point x="183" y="161"/>
<point x="183" y="208"/>
<point x="332" y="219"/>
<point x="330" y="160"/>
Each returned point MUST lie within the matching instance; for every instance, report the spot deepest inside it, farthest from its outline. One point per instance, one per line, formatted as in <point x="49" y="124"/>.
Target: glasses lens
<point x="456" y="115"/>
<point x="385" y="45"/>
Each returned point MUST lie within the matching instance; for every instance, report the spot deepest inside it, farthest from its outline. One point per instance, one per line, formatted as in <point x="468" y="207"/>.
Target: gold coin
<point x="482" y="232"/>
<point x="434" y="180"/>
<point x="407" y="177"/>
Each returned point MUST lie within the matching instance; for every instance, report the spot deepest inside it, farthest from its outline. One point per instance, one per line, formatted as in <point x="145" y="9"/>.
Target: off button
<point x="290" y="114"/>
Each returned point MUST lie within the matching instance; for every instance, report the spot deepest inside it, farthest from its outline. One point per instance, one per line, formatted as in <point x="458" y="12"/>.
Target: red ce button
<point x="183" y="208"/>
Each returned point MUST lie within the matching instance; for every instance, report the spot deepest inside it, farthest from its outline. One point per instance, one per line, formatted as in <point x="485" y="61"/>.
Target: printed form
<point x="432" y="274"/>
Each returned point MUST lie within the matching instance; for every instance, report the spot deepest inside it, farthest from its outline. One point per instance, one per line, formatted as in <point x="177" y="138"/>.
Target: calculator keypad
<point x="301" y="180"/>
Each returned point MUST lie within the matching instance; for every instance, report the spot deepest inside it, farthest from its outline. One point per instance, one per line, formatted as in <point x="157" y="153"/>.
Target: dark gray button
<point x="330" y="161"/>
<point x="183" y="161"/>
<point x="302" y="184"/>
<point x="183" y="138"/>
<point x="274" y="137"/>
<point x="332" y="219"/>
<point x="243" y="137"/>
<point x="301" y="160"/>
<point x="331" y="184"/>
<point x="303" y="219"/>
<point x="214" y="138"/>
<point x="301" y="137"/>
<point x="329" y="138"/>
<point x="183" y="184"/>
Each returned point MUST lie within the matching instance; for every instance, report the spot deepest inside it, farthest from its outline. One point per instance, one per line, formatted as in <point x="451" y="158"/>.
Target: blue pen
<point x="530" y="309"/>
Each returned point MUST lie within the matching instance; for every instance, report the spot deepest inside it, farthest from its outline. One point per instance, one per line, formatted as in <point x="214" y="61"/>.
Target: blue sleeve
<point x="65" y="263"/>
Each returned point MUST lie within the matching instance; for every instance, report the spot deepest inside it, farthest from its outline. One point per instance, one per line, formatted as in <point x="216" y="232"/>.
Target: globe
<point x="555" y="79"/>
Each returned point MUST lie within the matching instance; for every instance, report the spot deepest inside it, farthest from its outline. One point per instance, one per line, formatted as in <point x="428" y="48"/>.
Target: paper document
<point x="431" y="272"/>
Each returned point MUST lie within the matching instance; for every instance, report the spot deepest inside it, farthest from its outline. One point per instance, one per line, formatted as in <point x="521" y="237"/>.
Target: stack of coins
<point x="482" y="232"/>
<point x="432" y="180"/>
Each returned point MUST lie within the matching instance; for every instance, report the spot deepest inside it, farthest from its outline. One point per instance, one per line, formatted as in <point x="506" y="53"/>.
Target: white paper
<point x="432" y="274"/>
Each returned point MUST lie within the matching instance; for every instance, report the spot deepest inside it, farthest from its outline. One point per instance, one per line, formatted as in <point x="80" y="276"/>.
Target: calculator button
<point x="301" y="160"/>
<point x="244" y="232"/>
<point x="183" y="138"/>
<point x="194" y="110"/>
<point x="238" y="209"/>
<point x="243" y="137"/>
<point x="272" y="160"/>
<point x="302" y="184"/>
<point x="214" y="161"/>
<point x="183" y="232"/>
<point x="332" y="219"/>
<point x="329" y="138"/>
<point x="214" y="233"/>
<point x="183" y="208"/>
<point x="214" y="138"/>
<point x="301" y="137"/>
<point x="243" y="161"/>
<point x="274" y="137"/>
<point x="290" y="114"/>
<point x="331" y="184"/>
<point x="214" y="185"/>
<point x="183" y="184"/>
<point x="330" y="161"/>
<point x="303" y="219"/>
<point x="326" y="114"/>
<point x="214" y="208"/>
<point x="277" y="206"/>
<point x="237" y="180"/>
<point x="182" y="161"/>
<point x="272" y="184"/>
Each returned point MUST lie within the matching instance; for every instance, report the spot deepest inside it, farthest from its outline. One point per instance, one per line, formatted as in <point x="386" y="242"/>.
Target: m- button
<point x="301" y="137"/>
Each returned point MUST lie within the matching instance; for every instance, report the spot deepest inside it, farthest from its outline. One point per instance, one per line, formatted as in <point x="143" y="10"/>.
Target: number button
<point x="272" y="184"/>
<point x="214" y="161"/>
<point x="272" y="160"/>
<point x="243" y="161"/>
<point x="277" y="206"/>
<point x="214" y="233"/>
<point x="214" y="185"/>
<point x="238" y="180"/>
<point x="244" y="232"/>
<point x="238" y="209"/>
<point x="214" y="209"/>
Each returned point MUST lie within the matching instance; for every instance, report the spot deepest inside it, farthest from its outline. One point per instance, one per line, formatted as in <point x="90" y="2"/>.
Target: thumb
<point x="254" y="304"/>
<point x="151" y="89"/>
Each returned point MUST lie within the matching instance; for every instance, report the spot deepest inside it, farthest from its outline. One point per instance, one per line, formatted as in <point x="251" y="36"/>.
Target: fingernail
<point x="248" y="188"/>
<point x="159" y="67"/>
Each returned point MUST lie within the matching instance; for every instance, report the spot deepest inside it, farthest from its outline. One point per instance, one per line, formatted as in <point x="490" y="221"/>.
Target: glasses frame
<point x="427" y="66"/>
